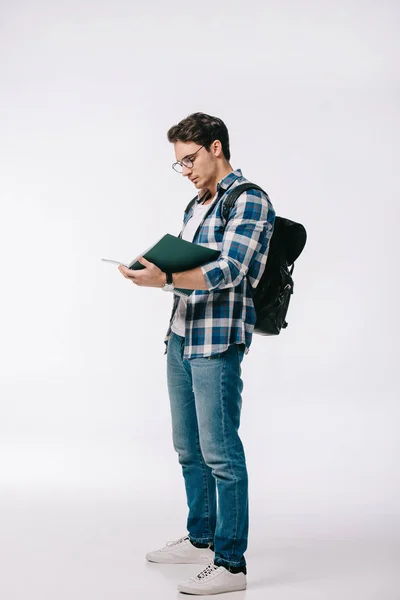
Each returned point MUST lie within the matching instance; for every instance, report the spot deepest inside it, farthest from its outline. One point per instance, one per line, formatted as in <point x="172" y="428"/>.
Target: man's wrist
<point x="168" y="284"/>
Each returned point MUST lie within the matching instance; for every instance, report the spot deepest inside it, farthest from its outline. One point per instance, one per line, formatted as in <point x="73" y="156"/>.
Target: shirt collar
<point x="226" y="181"/>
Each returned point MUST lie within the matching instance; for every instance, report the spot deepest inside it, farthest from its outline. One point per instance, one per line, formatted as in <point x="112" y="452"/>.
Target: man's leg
<point x="199" y="482"/>
<point x="217" y="386"/>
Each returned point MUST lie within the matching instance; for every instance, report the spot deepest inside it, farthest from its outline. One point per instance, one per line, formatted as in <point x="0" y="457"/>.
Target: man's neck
<point x="221" y="175"/>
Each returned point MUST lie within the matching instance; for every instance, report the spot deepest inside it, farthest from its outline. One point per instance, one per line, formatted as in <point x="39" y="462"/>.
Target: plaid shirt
<point x="224" y="314"/>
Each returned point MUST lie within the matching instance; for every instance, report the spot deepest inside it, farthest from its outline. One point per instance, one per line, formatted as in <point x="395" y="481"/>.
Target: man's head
<point x="201" y="144"/>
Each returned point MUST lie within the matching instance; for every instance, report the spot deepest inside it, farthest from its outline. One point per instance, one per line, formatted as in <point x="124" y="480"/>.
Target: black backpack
<point x="272" y="295"/>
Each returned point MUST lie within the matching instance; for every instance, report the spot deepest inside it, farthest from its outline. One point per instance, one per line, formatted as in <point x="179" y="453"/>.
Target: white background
<point x="310" y="94"/>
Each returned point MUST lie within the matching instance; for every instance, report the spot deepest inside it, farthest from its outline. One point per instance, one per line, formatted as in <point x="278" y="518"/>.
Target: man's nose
<point x="186" y="171"/>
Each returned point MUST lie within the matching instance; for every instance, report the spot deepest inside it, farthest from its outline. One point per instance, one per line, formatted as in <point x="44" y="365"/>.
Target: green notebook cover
<point x="174" y="254"/>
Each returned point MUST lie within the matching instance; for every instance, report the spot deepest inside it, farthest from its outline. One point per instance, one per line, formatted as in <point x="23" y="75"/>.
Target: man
<point x="209" y="333"/>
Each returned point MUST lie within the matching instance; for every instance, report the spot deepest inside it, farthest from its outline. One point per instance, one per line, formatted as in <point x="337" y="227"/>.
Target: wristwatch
<point x="168" y="285"/>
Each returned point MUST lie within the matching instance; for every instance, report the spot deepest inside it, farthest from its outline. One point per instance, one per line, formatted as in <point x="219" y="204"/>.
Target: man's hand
<point x="151" y="276"/>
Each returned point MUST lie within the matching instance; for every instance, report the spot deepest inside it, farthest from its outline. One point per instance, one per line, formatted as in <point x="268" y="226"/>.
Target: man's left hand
<point x="150" y="276"/>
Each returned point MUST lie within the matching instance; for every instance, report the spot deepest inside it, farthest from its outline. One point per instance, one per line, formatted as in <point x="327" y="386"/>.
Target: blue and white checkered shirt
<point x="224" y="314"/>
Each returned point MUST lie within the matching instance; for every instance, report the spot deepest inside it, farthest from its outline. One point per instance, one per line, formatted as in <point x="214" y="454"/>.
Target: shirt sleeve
<point x="249" y="226"/>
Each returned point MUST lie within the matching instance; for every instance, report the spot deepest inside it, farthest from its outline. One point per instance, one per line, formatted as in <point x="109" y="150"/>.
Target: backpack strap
<point x="192" y="202"/>
<point x="189" y="206"/>
<point x="229" y="202"/>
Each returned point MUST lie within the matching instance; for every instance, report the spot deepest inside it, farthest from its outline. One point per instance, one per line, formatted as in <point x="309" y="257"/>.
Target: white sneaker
<point x="214" y="580"/>
<point x="181" y="551"/>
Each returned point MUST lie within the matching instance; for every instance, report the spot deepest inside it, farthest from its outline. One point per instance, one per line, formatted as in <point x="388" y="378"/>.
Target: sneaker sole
<point x="174" y="561"/>
<point x="200" y="592"/>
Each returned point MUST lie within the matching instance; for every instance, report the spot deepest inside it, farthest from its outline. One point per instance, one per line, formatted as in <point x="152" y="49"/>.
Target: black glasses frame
<point x="184" y="162"/>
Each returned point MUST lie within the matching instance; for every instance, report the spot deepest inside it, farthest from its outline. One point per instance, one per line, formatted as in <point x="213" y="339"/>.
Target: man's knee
<point x="225" y="463"/>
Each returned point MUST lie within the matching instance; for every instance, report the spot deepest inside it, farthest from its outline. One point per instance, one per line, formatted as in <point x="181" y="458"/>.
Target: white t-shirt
<point x="178" y="324"/>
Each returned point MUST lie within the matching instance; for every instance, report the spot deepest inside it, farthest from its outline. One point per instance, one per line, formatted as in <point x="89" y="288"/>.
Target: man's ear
<point x="217" y="148"/>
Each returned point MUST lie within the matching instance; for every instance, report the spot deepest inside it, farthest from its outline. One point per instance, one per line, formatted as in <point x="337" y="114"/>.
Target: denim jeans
<point x="205" y="399"/>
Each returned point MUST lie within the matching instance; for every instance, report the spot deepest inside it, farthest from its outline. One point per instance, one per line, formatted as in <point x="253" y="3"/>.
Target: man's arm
<point x="190" y="280"/>
<point x="242" y="239"/>
<point x="250" y="220"/>
<point x="152" y="276"/>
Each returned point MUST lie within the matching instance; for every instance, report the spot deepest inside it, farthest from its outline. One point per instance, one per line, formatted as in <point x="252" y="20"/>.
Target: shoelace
<point x="177" y="542"/>
<point x="207" y="571"/>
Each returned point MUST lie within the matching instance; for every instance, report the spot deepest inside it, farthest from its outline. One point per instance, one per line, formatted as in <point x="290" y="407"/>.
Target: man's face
<point x="204" y="168"/>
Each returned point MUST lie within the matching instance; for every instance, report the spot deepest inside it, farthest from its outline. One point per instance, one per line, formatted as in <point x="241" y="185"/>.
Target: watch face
<point x="168" y="287"/>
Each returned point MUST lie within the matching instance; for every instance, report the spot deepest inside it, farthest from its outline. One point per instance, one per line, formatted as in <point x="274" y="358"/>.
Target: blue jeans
<point x="205" y="398"/>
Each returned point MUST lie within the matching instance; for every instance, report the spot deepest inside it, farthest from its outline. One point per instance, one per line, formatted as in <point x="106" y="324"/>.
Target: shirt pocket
<point x="212" y="233"/>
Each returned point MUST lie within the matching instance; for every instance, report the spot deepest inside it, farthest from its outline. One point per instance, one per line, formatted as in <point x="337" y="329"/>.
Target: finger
<point x="145" y="262"/>
<point x="127" y="272"/>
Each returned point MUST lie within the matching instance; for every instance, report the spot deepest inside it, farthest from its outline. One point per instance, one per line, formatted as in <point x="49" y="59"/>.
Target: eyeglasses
<point x="185" y="162"/>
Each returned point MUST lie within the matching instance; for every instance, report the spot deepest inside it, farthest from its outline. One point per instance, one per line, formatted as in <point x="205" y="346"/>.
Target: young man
<point x="209" y="333"/>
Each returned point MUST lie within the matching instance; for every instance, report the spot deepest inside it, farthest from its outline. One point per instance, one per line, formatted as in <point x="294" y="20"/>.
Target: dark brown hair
<point x="202" y="129"/>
